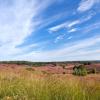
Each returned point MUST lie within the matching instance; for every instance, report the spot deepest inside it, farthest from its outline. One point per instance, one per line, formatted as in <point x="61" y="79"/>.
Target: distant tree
<point x="87" y="63"/>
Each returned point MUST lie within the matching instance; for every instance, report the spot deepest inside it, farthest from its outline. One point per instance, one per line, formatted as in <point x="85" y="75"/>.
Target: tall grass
<point x="15" y="86"/>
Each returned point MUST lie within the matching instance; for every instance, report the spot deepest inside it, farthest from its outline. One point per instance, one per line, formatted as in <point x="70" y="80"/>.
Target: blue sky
<point x="49" y="30"/>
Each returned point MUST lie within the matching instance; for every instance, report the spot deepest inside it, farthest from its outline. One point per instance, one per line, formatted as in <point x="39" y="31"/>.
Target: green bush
<point x="80" y="70"/>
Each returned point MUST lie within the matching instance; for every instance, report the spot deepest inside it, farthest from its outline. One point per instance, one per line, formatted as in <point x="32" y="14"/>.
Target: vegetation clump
<point x="30" y="69"/>
<point x="80" y="70"/>
<point x="63" y="66"/>
<point x="87" y="63"/>
<point x="93" y="71"/>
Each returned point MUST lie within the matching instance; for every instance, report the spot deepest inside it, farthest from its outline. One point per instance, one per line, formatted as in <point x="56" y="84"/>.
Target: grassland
<point x="18" y="83"/>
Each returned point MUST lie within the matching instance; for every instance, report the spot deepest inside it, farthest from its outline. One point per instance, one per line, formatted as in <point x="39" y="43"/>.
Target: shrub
<point x="94" y="71"/>
<point x="63" y="66"/>
<point x="80" y="70"/>
<point x="64" y="72"/>
<point x="44" y="72"/>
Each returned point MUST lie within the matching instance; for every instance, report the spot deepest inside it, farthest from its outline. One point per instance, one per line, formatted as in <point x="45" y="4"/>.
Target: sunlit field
<point x="20" y="83"/>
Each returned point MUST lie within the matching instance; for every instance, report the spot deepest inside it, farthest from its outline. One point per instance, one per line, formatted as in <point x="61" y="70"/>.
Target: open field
<point x="22" y="82"/>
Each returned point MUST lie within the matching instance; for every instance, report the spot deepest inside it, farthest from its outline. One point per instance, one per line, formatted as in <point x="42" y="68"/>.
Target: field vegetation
<point x="21" y="82"/>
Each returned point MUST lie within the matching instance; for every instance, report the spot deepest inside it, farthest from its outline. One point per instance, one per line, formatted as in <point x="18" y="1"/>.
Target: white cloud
<point x="87" y="5"/>
<point x="91" y="27"/>
<point x="18" y="19"/>
<point x="82" y="20"/>
<point x="74" y="23"/>
<point x="60" y="37"/>
<point x="52" y="19"/>
<point x="15" y="25"/>
<point x="73" y="30"/>
<point x="76" y="51"/>
<point x="15" y="22"/>
<point x="69" y="24"/>
<point x="70" y="37"/>
<point x="58" y="27"/>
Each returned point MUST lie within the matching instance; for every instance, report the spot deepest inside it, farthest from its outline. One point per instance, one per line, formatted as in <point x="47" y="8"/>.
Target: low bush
<point x="80" y="70"/>
<point x="64" y="72"/>
<point x="92" y="71"/>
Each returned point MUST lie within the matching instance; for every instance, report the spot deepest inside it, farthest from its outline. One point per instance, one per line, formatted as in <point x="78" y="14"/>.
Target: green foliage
<point x="80" y="70"/>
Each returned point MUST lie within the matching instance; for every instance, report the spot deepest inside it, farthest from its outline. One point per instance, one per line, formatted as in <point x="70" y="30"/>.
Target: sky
<point x="49" y="30"/>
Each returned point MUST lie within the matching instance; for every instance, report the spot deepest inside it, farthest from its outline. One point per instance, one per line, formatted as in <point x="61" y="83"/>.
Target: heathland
<point x="50" y="81"/>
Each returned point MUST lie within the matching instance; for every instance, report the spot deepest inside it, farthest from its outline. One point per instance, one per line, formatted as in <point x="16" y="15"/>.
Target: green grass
<point x="14" y="86"/>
